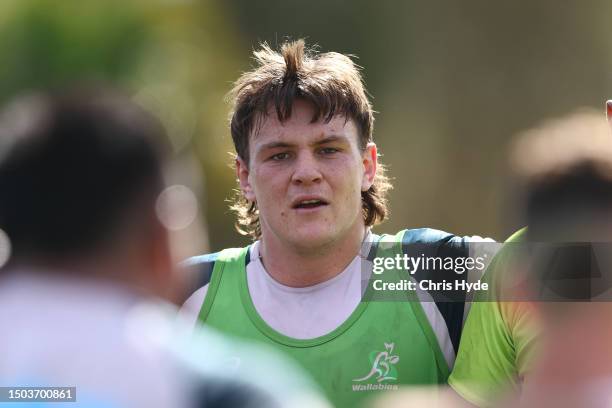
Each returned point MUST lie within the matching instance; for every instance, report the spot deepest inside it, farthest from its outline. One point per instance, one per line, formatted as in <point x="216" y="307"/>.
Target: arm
<point x="496" y="345"/>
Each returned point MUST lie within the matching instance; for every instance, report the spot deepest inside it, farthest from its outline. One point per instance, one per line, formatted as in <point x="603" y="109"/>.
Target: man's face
<point x="307" y="178"/>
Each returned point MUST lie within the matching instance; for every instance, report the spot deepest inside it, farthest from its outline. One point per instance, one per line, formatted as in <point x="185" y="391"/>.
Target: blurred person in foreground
<point x="568" y="204"/>
<point x="562" y="171"/>
<point x="80" y="296"/>
<point x="311" y="188"/>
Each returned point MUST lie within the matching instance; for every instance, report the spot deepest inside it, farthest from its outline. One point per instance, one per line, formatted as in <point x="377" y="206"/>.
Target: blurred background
<point x="452" y="82"/>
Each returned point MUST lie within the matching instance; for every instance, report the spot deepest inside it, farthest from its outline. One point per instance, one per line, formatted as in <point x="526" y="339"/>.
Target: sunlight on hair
<point x="177" y="207"/>
<point x="5" y="248"/>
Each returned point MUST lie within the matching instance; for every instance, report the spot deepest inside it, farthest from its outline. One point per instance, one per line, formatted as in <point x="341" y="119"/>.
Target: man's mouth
<point x="310" y="203"/>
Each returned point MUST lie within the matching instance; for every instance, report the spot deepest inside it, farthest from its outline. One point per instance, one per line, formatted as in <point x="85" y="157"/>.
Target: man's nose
<point x="306" y="170"/>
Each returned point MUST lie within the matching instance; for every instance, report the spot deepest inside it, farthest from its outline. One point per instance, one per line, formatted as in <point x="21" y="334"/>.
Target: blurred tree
<point x="176" y="57"/>
<point x="49" y="44"/>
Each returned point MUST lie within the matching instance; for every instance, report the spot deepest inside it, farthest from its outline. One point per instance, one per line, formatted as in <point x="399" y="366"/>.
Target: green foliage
<point x="49" y="43"/>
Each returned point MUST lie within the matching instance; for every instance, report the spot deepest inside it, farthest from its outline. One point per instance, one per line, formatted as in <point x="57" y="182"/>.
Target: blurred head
<point x="79" y="177"/>
<point x="302" y="128"/>
<point x="565" y="171"/>
<point x="565" y="168"/>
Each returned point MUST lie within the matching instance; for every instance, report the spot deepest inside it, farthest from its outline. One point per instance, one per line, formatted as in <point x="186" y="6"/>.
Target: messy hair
<point x="331" y="83"/>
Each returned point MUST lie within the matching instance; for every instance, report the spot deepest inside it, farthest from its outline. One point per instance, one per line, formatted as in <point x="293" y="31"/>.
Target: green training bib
<point x="382" y="345"/>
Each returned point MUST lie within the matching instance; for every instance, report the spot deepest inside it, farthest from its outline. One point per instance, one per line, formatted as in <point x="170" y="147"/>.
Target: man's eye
<point x="280" y="156"/>
<point x="328" y="150"/>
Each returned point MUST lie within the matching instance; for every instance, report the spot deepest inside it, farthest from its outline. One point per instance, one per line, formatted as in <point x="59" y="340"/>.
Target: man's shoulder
<point x="443" y="239"/>
<point x="197" y="272"/>
<point x="435" y="244"/>
<point x="425" y="235"/>
<point x="430" y="242"/>
<point x="199" y="260"/>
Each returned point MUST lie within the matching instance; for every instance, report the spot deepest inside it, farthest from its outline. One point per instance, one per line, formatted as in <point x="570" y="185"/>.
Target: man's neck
<point x="299" y="267"/>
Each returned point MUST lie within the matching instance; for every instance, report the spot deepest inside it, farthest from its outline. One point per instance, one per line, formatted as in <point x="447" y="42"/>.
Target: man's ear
<point x="242" y="172"/>
<point x="370" y="163"/>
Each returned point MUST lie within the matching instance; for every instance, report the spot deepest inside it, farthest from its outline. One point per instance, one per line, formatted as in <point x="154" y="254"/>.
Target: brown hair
<point x="331" y="82"/>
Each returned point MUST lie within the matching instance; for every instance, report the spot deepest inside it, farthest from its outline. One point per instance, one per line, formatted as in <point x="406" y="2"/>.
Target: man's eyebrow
<point x="330" y="139"/>
<point x="274" y="145"/>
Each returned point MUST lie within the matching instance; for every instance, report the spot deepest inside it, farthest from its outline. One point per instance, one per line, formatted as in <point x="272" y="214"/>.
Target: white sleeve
<point x="190" y="310"/>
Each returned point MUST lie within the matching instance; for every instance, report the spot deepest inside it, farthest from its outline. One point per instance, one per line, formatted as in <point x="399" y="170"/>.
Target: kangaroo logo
<point x="383" y="365"/>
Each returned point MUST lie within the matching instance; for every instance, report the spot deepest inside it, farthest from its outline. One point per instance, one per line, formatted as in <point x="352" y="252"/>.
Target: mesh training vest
<point x="383" y="344"/>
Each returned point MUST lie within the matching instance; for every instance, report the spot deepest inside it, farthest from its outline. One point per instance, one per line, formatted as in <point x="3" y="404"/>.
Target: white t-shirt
<point x="301" y="313"/>
<point x="122" y="350"/>
<point x="88" y="335"/>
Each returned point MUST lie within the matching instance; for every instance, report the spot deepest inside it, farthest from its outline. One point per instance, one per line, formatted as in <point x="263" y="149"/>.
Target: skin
<point x="299" y="160"/>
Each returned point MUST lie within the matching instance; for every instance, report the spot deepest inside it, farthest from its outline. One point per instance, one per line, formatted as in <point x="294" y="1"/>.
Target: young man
<point x="80" y="176"/>
<point x="311" y="187"/>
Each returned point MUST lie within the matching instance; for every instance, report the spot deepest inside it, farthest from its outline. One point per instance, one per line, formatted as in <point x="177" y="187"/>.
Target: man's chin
<point x="312" y="238"/>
